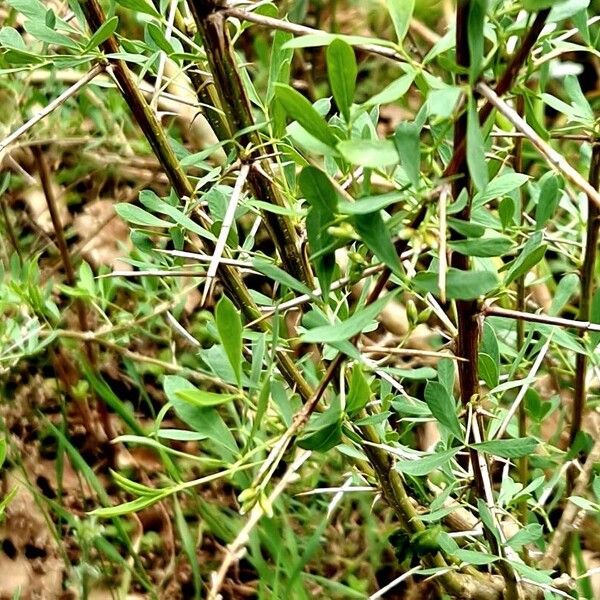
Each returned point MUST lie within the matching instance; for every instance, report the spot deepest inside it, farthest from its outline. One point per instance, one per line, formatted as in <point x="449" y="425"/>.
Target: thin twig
<point x="51" y="106"/>
<point x="235" y="549"/>
<point x="554" y="158"/>
<point x="570" y="511"/>
<point x="301" y="30"/>
<point x="526" y="383"/>
<point x="442" y="232"/>
<point x="228" y="220"/>
<point x="523" y="462"/>
<point x="191" y="374"/>
<point x="496" y="311"/>
<point x="163" y="56"/>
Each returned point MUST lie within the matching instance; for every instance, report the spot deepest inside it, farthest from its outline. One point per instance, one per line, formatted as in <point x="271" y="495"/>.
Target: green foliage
<point x="237" y="417"/>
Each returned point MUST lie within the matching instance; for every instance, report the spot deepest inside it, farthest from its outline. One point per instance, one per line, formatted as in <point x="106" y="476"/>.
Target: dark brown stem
<point x="588" y="267"/>
<point x="236" y="105"/>
<point x="468" y="325"/>
<point x="203" y="87"/>
<point x="61" y="244"/>
<point x="467" y="340"/>
<point x="523" y="463"/>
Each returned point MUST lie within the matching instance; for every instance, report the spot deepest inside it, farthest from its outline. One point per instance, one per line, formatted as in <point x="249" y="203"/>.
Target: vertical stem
<point x="523" y="463"/>
<point x="234" y="101"/>
<point x="204" y="89"/>
<point x="587" y="289"/>
<point x="588" y="267"/>
<point x="468" y="324"/>
<point x="155" y="135"/>
<point x="51" y="202"/>
<point x="467" y="342"/>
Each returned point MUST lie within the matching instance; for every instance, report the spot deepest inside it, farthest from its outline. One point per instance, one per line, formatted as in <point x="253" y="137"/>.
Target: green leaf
<point x="567" y="286"/>
<point x="151" y="201"/>
<point x="543" y="577"/>
<point x="413" y="373"/>
<point x="280" y="61"/>
<point x="376" y="236"/>
<point x="322" y="196"/>
<point x="488" y="369"/>
<point x="21" y="57"/>
<point x="374" y="154"/>
<point x="102" y="33"/>
<point x="103" y="390"/>
<point x="566" y="9"/>
<point x="471" y="557"/>
<point x="535" y="5"/>
<point x="508" y="448"/>
<point x="547" y="200"/>
<point x="460" y="285"/>
<point x="499" y="187"/>
<point x="300" y="109"/>
<point x="157" y="35"/>
<point x="8" y="498"/>
<point x="43" y="33"/>
<point x="485" y="514"/>
<point x="401" y="12"/>
<point x="206" y="421"/>
<point x="313" y="40"/>
<point x="180" y="435"/>
<point x="488" y="246"/>
<point x="276" y="274"/>
<point x="188" y="544"/>
<point x="489" y="342"/>
<point x="140" y="6"/>
<point x="32" y="9"/>
<point x="466" y="229"/>
<point x="476" y="20"/>
<point x="506" y="212"/>
<point x="392" y="92"/>
<point x="446" y="374"/>
<point x="3" y="451"/>
<point x="533" y="251"/>
<point x="408" y="145"/>
<point x="138" y="216"/>
<point x="127" y="507"/>
<point x="229" y="326"/>
<point x="342" y="71"/>
<point x="476" y="148"/>
<point x="341" y="331"/>
<point x="11" y="38"/>
<point x="318" y="189"/>
<point x="369" y="204"/>
<point x="442" y="407"/>
<point x="424" y="465"/>
<point x="204" y="399"/>
<point x="359" y="393"/>
<point x="323" y="432"/>
<point x="527" y="535"/>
